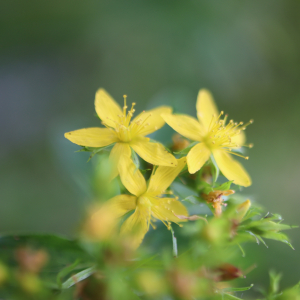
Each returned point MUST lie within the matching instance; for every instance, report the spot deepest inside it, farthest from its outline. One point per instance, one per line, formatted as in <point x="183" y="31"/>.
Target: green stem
<point x="174" y="240"/>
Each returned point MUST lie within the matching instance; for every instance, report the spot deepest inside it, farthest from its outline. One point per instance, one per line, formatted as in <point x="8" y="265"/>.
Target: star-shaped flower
<point x="148" y="203"/>
<point x="126" y="134"/>
<point x="214" y="136"/>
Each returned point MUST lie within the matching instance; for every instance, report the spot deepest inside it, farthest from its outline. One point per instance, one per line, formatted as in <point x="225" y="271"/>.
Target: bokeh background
<point x="54" y="55"/>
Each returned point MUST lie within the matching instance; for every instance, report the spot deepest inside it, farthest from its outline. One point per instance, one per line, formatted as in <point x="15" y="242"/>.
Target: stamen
<point x="249" y="146"/>
<point x="237" y="154"/>
<point x="125" y="106"/>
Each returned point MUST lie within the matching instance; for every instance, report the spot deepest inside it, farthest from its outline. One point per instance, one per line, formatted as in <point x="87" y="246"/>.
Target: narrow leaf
<point x="232" y="289"/>
<point x="65" y="271"/>
<point x="78" y="277"/>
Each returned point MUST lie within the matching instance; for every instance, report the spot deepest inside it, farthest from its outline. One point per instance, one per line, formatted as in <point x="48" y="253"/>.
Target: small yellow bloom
<point x="148" y="203"/>
<point x="126" y="134"/>
<point x="215" y="137"/>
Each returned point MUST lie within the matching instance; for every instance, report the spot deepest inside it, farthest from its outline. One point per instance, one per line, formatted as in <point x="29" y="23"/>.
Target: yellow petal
<point x="150" y="120"/>
<point x="168" y="209"/>
<point x="131" y="177"/>
<point x="117" y="151"/>
<point x="104" y="220"/>
<point x="136" y="226"/>
<point x="107" y="108"/>
<point x="164" y="176"/>
<point x="92" y="137"/>
<point x="206" y="107"/>
<point x="231" y="168"/>
<point x="185" y="125"/>
<point x="196" y="158"/>
<point x="153" y="153"/>
<point x="239" y="139"/>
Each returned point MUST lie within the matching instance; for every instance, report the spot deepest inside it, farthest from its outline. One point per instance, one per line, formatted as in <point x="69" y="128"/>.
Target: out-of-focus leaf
<point x="274" y="283"/>
<point x="61" y="252"/>
<point x="65" y="271"/>
<point x="278" y="236"/>
<point x="78" y="277"/>
<point x="232" y="289"/>
<point x="229" y="296"/>
<point x="225" y="186"/>
<point x="94" y="150"/>
<point x="191" y="199"/>
<point x="205" y="187"/>
<point x="182" y="190"/>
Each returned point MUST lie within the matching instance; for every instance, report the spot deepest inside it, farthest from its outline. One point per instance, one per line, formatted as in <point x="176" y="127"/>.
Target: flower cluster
<point x="213" y="136"/>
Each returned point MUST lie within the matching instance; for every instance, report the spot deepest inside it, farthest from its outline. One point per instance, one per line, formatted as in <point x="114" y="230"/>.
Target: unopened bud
<point x="242" y="210"/>
<point x="228" y="272"/>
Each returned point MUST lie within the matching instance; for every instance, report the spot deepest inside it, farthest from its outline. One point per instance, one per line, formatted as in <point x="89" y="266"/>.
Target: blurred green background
<point x="54" y="55"/>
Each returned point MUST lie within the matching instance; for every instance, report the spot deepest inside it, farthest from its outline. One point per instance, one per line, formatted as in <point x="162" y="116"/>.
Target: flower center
<point x="144" y="201"/>
<point x="125" y="129"/>
<point x="222" y="135"/>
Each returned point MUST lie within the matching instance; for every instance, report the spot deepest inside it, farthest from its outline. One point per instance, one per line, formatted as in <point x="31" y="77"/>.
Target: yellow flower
<point x="126" y="134"/>
<point x="215" y="137"/>
<point x="148" y="203"/>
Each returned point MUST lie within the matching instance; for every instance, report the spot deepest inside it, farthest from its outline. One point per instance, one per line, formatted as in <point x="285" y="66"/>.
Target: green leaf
<point x="267" y="225"/>
<point x="187" y="149"/>
<point x="192" y="199"/>
<point x="242" y="250"/>
<point x="97" y="150"/>
<point x="61" y="250"/>
<point x="65" y="271"/>
<point x="278" y="236"/>
<point x="78" y="277"/>
<point x="274" y="282"/>
<point x="182" y="190"/>
<point x="145" y="171"/>
<point x="224" y="187"/>
<point x="232" y="289"/>
<point x="205" y="187"/>
<point x="262" y="240"/>
<point x="215" y="169"/>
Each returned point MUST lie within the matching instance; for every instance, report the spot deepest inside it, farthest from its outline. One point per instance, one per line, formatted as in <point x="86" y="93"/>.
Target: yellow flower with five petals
<point x="126" y="134"/>
<point x="214" y="136"/>
<point x="147" y="202"/>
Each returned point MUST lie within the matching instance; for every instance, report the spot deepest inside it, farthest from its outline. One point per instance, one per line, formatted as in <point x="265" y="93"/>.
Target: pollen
<point x="126" y="130"/>
<point x="225" y="136"/>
